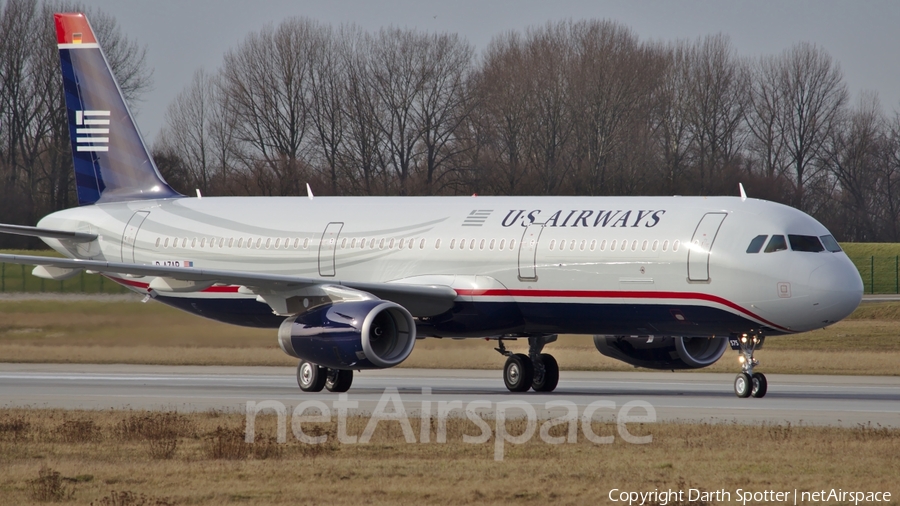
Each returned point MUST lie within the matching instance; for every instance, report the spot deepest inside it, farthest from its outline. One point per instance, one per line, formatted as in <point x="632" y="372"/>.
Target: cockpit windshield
<point x="808" y="243"/>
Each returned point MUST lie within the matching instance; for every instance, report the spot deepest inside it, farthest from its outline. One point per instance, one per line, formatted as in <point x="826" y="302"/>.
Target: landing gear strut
<point x="538" y="371"/>
<point x="749" y="383"/>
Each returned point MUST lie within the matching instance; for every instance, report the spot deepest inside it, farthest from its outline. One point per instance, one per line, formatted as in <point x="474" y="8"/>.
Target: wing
<point x="282" y="293"/>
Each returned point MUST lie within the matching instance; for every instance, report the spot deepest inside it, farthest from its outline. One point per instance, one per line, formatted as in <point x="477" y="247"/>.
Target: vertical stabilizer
<point x="111" y="161"/>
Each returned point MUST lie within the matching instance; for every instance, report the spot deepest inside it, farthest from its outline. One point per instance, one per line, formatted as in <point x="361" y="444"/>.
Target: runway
<point x="692" y="397"/>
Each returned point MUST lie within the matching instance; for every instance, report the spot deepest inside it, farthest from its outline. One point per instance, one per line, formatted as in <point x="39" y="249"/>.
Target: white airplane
<point x="352" y="282"/>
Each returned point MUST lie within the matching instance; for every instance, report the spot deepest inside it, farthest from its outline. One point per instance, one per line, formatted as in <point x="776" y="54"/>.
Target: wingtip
<point x="73" y="28"/>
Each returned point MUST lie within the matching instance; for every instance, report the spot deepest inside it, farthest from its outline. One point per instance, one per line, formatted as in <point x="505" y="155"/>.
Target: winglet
<point x="743" y="193"/>
<point x="309" y="192"/>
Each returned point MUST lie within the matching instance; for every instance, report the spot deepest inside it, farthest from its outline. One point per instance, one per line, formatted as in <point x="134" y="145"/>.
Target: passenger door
<point x="130" y="235"/>
<point x="701" y="245"/>
<point x="528" y="252"/>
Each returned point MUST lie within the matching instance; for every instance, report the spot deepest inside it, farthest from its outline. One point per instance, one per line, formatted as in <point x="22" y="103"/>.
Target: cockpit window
<point x="808" y="243"/>
<point x="830" y="244"/>
<point x="756" y="244"/>
<point x="776" y="243"/>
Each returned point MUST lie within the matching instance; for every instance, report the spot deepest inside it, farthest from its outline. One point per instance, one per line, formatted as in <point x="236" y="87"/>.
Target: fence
<point x="18" y="278"/>
<point x="880" y="274"/>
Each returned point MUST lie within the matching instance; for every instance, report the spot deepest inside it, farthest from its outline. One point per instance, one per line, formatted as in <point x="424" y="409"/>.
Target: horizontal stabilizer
<point x="46" y="233"/>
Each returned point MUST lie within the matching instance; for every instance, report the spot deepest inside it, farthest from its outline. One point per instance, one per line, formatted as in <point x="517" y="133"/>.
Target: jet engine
<point x="663" y="352"/>
<point x="368" y="334"/>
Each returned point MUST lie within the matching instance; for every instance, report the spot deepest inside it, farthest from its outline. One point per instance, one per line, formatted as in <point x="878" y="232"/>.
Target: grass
<point x="878" y="264"/>
<point x="130" y="332"/>
<point x="211" y="463"/>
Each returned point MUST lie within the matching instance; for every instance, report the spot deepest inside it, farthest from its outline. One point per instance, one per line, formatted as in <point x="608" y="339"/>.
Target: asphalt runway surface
<point x="690" y="397"/>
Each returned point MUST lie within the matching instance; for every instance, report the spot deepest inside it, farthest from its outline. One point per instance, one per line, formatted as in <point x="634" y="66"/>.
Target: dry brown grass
<point x="116" y="470"/>
<point x="129" y="332"/>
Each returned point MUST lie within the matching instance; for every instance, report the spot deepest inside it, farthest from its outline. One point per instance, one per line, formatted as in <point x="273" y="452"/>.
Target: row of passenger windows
<point x="809" y="243"/>
<point x="407" y="243"/>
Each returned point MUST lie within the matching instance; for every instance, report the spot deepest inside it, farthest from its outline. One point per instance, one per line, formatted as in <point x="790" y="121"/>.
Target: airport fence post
<point x="2" y="277"/>
<point x="872" y="274"/>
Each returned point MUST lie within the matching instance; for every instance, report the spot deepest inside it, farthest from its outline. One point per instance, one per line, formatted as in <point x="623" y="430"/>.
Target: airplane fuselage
<point x="520" y="265"/>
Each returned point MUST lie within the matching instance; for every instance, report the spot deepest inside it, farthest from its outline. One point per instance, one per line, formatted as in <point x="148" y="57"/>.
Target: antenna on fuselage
<point x="309" y="192"/>
<point x="743" y="193"/>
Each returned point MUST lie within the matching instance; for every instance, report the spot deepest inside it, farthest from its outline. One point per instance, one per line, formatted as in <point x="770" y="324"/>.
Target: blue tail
<point x="111" y="161"/>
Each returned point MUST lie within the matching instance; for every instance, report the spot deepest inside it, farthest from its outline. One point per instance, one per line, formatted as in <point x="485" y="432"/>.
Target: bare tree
<point x="814" y="94"/>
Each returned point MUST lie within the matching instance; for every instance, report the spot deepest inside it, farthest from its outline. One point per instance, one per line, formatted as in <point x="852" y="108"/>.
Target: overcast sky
<point x="184" y="35"/>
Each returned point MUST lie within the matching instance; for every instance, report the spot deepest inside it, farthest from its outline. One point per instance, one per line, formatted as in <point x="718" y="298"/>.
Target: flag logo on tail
<point x="92" y="130"/>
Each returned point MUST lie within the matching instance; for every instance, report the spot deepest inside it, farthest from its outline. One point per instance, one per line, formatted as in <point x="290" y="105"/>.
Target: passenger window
<point x="552" y="244"/>
<point x="593" y="244"/>
<point x="830" y="244"/>
<point x="452" y="243"/>
<point x="512" y="244"/>
<point x="776" y="243"/>
<point x="756" y="244"/>
<point x="437" y="244"/>
<point x="491" y="246"/>
<point x="603" y="245"/>
<point x="809" y="243"/>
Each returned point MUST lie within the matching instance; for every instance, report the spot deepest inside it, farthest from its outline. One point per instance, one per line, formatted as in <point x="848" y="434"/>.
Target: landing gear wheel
<point x="518" y="373"/>
<point x="760" y="385"/>
<point x="742" y="385"/>
<point x="339" y="380"/>
<point x="546" y="380"/>
<point x="311" y="377"/>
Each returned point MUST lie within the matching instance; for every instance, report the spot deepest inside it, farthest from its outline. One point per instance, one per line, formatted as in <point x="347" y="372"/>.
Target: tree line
<point x="565" y="108"/>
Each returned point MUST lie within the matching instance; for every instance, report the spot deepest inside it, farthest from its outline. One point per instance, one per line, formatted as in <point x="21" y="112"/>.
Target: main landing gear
<point x="749" y="383"/>
<point x="313" y="378"/>
<point x="538" y="371"/>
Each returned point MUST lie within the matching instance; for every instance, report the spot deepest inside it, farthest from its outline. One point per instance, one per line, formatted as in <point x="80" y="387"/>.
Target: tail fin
<point x="111" y="161"/>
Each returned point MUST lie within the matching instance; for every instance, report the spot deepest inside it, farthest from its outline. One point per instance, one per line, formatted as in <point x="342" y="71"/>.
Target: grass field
<point x="124" y="458"/>
<point x="131" y="332"/>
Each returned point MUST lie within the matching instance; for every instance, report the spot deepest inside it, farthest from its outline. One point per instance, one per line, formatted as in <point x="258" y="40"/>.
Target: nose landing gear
<point x="748" y="383"/>
<point x="537" y="371"/>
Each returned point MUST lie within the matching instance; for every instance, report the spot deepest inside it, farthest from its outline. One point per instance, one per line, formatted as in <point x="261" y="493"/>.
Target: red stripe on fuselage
<point x="145" y="286"/>
<point x="611" y="294"/>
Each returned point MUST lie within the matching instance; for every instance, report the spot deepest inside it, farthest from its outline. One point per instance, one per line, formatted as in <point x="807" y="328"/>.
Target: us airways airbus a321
<point x="352" y="283"/>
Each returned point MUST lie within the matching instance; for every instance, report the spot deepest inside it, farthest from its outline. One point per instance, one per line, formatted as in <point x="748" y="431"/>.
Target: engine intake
<point x="370" y="334"/>
<point x="663" y="352"/>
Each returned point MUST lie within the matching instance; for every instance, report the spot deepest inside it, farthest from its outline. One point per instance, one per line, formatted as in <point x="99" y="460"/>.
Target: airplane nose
<point x="836" y="289"/>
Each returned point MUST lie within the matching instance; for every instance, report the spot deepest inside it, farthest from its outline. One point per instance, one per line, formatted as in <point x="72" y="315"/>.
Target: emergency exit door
<point x="701" y="245"/>
<point x="327" y="248"/>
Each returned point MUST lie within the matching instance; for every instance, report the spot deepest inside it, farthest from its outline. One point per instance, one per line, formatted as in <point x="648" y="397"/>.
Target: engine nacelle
<point x="369" y="334"/>
<point x="663" y="352"/>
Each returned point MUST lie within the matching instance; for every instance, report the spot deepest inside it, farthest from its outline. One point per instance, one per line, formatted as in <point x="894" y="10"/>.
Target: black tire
<point x="338" y="380"/>
<point x="518" y="373"/>
<point x="742" y="385"/>
<point x="760" y="385"/>
<point x="311" y="377"/>
<point x="547" y="381"/>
